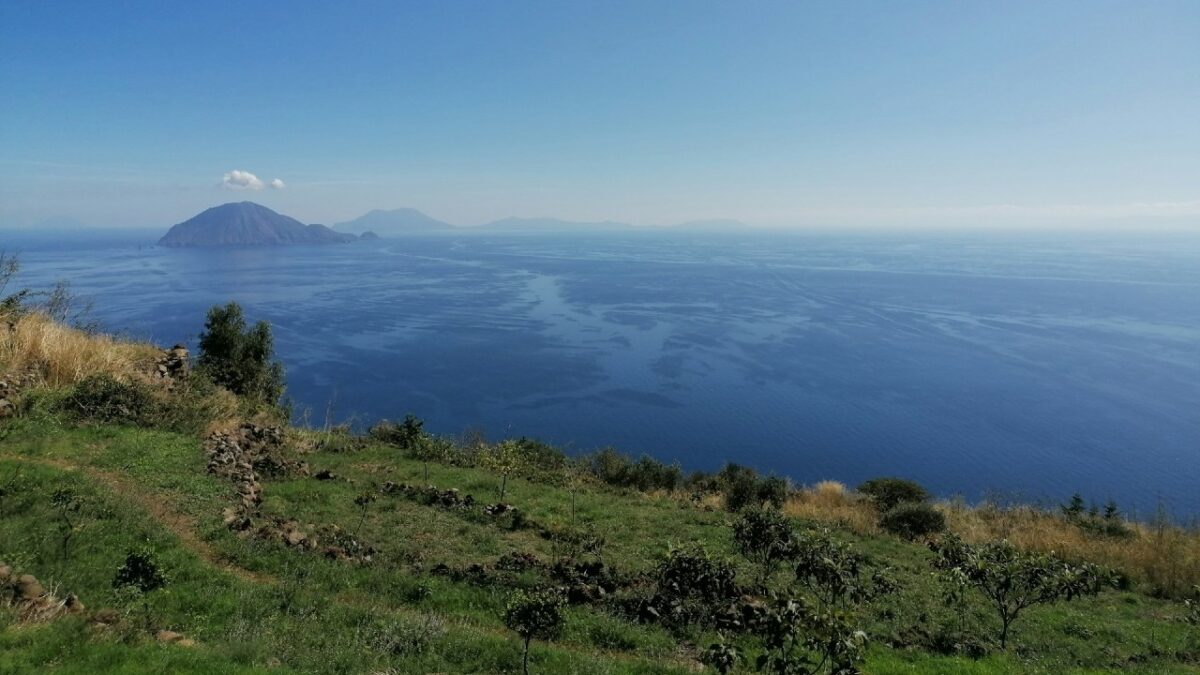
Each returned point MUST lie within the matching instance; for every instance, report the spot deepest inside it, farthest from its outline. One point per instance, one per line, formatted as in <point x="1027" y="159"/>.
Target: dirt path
<point x="181" y="525"/>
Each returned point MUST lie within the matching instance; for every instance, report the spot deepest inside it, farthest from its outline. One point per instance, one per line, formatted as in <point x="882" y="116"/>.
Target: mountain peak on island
<point x="393" y="221"/>
<point x="247" y="224"/>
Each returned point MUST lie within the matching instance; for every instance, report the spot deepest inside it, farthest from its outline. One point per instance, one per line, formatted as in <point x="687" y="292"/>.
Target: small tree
<point x="503" y="459"/>
<point x="574" y="477"/>
<point x="835" y="573"/>
<point x="800" y="638"/>
<point x="1074" y="508"/>
<point x="536" y="614"/>
<point x="1013" y="580"/>
<point x="140" y="575"/>
<point x="428" y="449"/>
<point x="765" y="537"/>
<point x="9" y="267"/>
<point x="238" y="358"/>
<point x="363" y="502"/>
<point x="66" y="505"/>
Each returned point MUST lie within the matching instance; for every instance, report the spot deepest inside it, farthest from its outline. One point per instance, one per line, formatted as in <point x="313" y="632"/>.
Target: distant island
<point x="394" y="221"/>
<point x="248" y="224"/>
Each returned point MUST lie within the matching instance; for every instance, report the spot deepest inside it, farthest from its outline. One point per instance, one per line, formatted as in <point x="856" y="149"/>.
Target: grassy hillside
<point x="338" y="558"/>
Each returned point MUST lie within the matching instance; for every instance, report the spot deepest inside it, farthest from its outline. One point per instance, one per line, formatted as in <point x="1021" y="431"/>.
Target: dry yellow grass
<point x="830" y="502"/>
<point x="63" y="356"/>
<point x="1165" y="557"/>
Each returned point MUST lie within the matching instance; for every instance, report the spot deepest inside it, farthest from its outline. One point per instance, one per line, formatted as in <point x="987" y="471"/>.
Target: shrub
<point x="1108" y="524"/>
<point x="139" y="576"/>
<point x="800" y="638"/>
<point x="913" y="519"/>
<point x="721" y="657"/>
<point x="102" y="398"/>
<point x="886" y="493"/>
<point x="1191" y="607"/>
<point x="692" y="586"/>
<point x="764" y="537"/>
<point x="542" y="457"/>
<point x="140" y="572"/>
<point x="1013" y="580"/>
<point x="238" y="358"/>
<point x="404" y="435"/>
<point x="743" y="487"/>
<point x="537" y="614"/>
<point x="645" y="474"/>
<point x="834" y="572"/>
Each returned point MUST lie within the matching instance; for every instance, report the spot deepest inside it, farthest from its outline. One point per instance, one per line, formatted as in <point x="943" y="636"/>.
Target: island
<point x="248" y="224"/>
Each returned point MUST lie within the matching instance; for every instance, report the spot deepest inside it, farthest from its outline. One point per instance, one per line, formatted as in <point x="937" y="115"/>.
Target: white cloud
<point x="241" y="180"/>
<point x="277" y="184"/>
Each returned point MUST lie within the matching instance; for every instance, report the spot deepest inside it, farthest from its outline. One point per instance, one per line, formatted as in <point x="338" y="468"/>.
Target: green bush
<point x="238" y="358"/>
<point x="692" y="587"/>
<point x="189" y="407"/>
<point x="645" y="474"/>
<point x="743" y="487"/>
<point x="104" y="399"/>
<point x="765" y="537"/>
<point x="913" y="519"/>
<point x="886" y="493"/>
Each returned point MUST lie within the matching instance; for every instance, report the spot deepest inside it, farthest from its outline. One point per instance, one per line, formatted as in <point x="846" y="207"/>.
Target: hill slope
<point x="247" y="224"/>
<point x="302" y="551"/>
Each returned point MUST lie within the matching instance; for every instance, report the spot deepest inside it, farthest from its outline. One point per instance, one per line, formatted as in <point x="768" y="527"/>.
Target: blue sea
<point x="1014" y="366"/>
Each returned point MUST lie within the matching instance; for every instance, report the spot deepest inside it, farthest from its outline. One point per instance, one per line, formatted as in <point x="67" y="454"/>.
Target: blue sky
<point x="777" y="113"/>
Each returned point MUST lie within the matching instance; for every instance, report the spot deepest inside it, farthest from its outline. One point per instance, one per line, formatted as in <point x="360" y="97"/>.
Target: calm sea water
<point x="1026" y="366"/>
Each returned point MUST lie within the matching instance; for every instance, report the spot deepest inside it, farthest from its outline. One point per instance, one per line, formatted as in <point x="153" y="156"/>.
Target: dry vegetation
<point x="62" y="355"/>
<point x="1163" y="556"/>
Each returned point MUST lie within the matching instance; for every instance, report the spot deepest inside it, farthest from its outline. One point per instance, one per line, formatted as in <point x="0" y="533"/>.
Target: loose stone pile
<point x="429" y="495"/>
<point x="252" y="451"/>
<point x="13" y="384"/>
<point x="32" y="601"/>
<point x="239" y="456"/>
<point x="174" y="364"/>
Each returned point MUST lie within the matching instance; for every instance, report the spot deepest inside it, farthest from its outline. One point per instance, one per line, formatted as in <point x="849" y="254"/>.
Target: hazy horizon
<point x="854" y="115"/>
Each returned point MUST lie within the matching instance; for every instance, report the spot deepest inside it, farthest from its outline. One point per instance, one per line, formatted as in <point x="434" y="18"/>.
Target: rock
<point x="106" y="616"/>
<point x="295" y="538"/>
<point x="167" y="636"/>
<point x="5" y="573"/>
<point x="173" y="364"/>
<point x="186" y="642"/>
<point x="73" y="605"/>
<point x="28" y="587"/>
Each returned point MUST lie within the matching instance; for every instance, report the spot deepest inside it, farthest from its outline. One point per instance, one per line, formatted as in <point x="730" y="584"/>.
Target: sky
<point x="783" y="114"/>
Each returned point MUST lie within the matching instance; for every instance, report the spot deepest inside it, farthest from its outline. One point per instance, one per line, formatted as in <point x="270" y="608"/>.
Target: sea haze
<point x="1029" y="366"/>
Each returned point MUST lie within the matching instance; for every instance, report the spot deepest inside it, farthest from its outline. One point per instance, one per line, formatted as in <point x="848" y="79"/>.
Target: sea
<point x="1004" y="366"/>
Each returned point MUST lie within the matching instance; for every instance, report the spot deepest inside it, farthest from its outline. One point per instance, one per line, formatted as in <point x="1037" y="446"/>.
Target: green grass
<point x="258" y="606"/>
